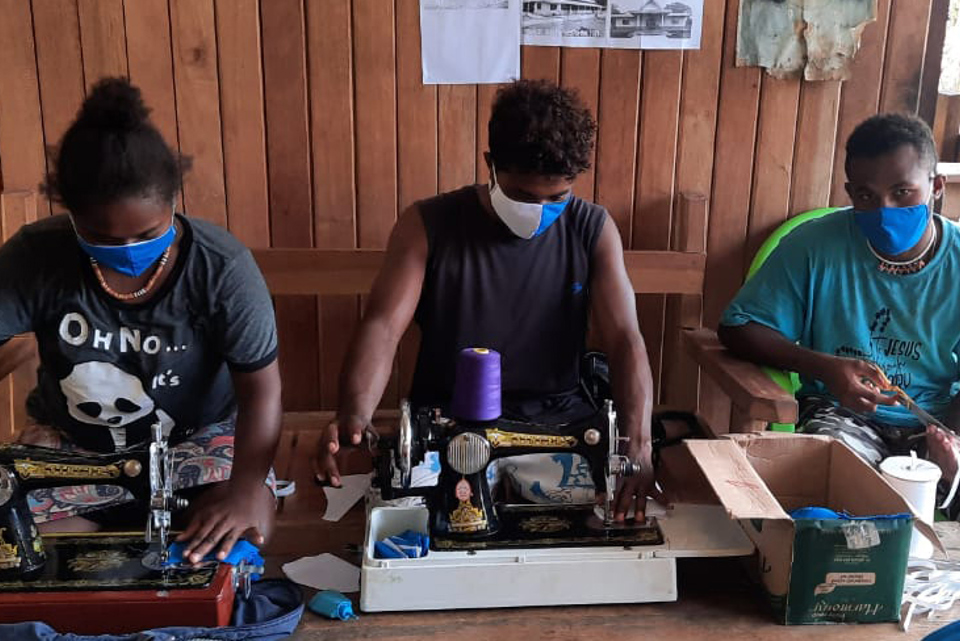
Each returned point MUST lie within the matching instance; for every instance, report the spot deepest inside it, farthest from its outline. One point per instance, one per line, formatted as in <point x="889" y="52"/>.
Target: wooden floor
<point x="717" y="597"/>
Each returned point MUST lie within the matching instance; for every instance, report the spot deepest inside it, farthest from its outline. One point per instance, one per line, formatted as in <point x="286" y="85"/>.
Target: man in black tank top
<point x="516" y="266"/>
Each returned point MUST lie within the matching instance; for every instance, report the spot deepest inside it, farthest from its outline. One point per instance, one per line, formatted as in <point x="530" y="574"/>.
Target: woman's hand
<point x="224" y="513"/>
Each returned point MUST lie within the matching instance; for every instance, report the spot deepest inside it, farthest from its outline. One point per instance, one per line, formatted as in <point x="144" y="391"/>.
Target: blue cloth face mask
<point x="525" y="220"/>
<point x="893" y="230"/>
<point x="132" y="259"/>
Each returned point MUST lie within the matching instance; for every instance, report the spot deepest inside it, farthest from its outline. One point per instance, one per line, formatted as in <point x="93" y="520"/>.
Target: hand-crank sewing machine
<point x="57" y="580"/>
<point x="463" y="513"/>
<point x="487" y="550"/>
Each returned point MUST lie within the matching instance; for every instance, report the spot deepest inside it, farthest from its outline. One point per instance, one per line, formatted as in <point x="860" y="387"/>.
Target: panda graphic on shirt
<point x="103" y="395"/>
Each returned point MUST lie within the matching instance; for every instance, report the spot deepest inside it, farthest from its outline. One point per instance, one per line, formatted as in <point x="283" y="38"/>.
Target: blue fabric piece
<point x="242" y="550"/>
<point x="333" y="605"/>
<point x="949" y="632"/>
<point x="408" y="545"/>
<point x="821" y="288"/>
<point x="893" y="230"/>
<point x="814" y="512"/>
<point x="132" y="259"/>
<point x="271" y="613"/>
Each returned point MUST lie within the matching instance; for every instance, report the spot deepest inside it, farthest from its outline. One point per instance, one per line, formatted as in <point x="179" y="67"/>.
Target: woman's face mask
<point x="893" y="230"/>
<point x="131" y="259"/>
<point x="525" y="220"/>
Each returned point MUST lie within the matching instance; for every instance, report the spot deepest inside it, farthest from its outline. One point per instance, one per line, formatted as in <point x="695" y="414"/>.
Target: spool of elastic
<point x="476" y="389"/>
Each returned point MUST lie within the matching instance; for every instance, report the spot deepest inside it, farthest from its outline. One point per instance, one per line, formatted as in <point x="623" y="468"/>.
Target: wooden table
<point x="717" y="597"/>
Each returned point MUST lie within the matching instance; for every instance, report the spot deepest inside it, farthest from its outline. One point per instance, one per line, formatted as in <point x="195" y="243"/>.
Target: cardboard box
<point x="814" y="570"/>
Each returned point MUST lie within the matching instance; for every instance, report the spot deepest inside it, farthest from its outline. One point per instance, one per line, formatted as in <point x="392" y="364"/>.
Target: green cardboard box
<point x="814" y="570"/>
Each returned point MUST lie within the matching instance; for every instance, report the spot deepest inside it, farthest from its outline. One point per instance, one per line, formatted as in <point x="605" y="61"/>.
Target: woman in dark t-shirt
<point x="143" y="316"/>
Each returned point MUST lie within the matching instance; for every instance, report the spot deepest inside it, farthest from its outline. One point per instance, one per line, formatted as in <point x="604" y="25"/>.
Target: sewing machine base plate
<point x="84" y="572"/>
<point x="535" y="576"/>
<point x="534" y="526"/>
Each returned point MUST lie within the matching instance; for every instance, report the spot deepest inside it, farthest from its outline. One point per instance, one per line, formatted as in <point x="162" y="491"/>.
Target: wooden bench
<point x="677" y="273"/>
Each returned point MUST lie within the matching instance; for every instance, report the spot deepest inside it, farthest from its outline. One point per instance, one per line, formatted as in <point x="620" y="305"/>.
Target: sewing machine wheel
<point x="404" y="453"/>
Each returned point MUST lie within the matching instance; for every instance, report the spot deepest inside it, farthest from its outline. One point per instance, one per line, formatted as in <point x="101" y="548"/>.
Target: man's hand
<point x="634" y="490"/>
<point x="350" y="430"/>
<point x="224" y="513"/>
<point x="855" y="383"/>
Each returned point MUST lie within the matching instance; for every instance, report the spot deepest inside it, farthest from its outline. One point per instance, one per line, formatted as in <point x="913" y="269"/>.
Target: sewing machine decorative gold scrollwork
<point x="28" y="469"/>
<point x="500" y="438"/>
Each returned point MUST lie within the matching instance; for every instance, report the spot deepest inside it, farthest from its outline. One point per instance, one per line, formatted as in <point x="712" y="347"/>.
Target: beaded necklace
<point x="911" y="266"/>
<point x="140" y="293"/>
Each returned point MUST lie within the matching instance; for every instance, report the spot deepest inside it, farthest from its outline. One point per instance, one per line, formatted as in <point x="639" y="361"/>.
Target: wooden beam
<point x="352" y="271"/>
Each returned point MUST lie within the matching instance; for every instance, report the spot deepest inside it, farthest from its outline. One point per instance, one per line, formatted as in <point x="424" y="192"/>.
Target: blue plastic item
<point x="408" y="545"/>
<point x="333" y="605"/>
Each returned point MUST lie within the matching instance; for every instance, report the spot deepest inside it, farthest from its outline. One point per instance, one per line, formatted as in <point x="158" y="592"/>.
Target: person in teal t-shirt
<point x="876" y="284"/>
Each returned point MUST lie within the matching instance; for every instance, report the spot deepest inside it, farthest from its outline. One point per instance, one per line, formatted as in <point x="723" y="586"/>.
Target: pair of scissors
<point x="904" y="399"/>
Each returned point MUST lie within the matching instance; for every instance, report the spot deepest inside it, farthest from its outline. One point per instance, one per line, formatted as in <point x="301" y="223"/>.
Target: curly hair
<point x="113" y="151"/>
<point x="537" y="127"/>
<point x="884" y="133"/>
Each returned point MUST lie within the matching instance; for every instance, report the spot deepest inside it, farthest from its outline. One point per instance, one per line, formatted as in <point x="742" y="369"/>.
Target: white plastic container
<point x="547" y="576"/>
<point x="916" y="481"/>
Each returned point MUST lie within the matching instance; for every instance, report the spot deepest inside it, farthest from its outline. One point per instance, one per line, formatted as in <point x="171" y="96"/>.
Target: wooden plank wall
<point x="309" y="127"/>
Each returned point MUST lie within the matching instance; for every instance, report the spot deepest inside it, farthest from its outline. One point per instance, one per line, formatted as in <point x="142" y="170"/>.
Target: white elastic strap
<point x="285" y="488"/>
<point x="956" y="477"/>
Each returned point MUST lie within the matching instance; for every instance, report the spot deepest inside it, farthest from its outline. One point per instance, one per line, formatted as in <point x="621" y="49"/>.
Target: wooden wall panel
<point x="419" y="136"/>
<point x="290" y="189"/>
<point x="59" y="68"/>
<point x="103" y="39"/>
<point x="375" y="142"/>
<point x="198" y="107"/>
<point x="21" y="131"/>
<point x="730" y="198"/>
<point x="308" y="126"/>
<point x="618" y="117"/>
<point x="680" y="378"/>
<point x="330" y="65"/>
<point x="580" y="71"/>
<point x="860" y="96"/>
<point x="242" y="113"/>
<point x="656" y="166"/>
<point x="816" y="137"/>
<point x="903" y="60"/>
<point x="773" y="162"/>
<point x="150" y="55"/>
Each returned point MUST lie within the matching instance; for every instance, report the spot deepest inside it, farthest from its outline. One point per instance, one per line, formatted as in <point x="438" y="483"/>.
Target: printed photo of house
<point x="565" y="18"/>
<point x="673" y="20"/>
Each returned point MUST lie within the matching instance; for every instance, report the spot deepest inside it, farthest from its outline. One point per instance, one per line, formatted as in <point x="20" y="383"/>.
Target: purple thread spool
<point x="476" y="390"/>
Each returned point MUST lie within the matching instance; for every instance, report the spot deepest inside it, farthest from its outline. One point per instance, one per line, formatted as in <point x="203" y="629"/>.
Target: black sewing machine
<point x="463" y="513"/>
<point x="57" y="580"/>
<point x="144" y="471"/>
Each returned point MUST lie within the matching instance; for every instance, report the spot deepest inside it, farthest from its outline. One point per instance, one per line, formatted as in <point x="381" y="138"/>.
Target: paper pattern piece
<point x="616" y="24"/>
<point x="469" y="41"/>
<point x="341" y="499"/>
<point x="815" y="39"/>
<point x="324" y="572"/>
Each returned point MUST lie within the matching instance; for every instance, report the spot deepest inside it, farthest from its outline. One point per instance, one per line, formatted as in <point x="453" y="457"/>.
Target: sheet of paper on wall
<point x="815" y="39"/>
<point x="614" y="24"/>
<point x="469" y="41"/>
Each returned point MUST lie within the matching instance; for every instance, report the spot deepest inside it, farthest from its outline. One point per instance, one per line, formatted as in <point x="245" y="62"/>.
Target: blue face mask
<point x="893" y="230"/>
<point x="132" y="259"/>
<point x="526" y="220"/>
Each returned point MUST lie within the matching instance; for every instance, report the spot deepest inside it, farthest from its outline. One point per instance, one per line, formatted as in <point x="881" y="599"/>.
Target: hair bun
<point x="114" y="104"/>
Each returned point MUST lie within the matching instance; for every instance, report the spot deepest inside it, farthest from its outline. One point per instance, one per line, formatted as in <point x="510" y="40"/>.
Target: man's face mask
<point x="893" y="230"/>
<point x="132" y="259"/>
<point x="525" y="220"/>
